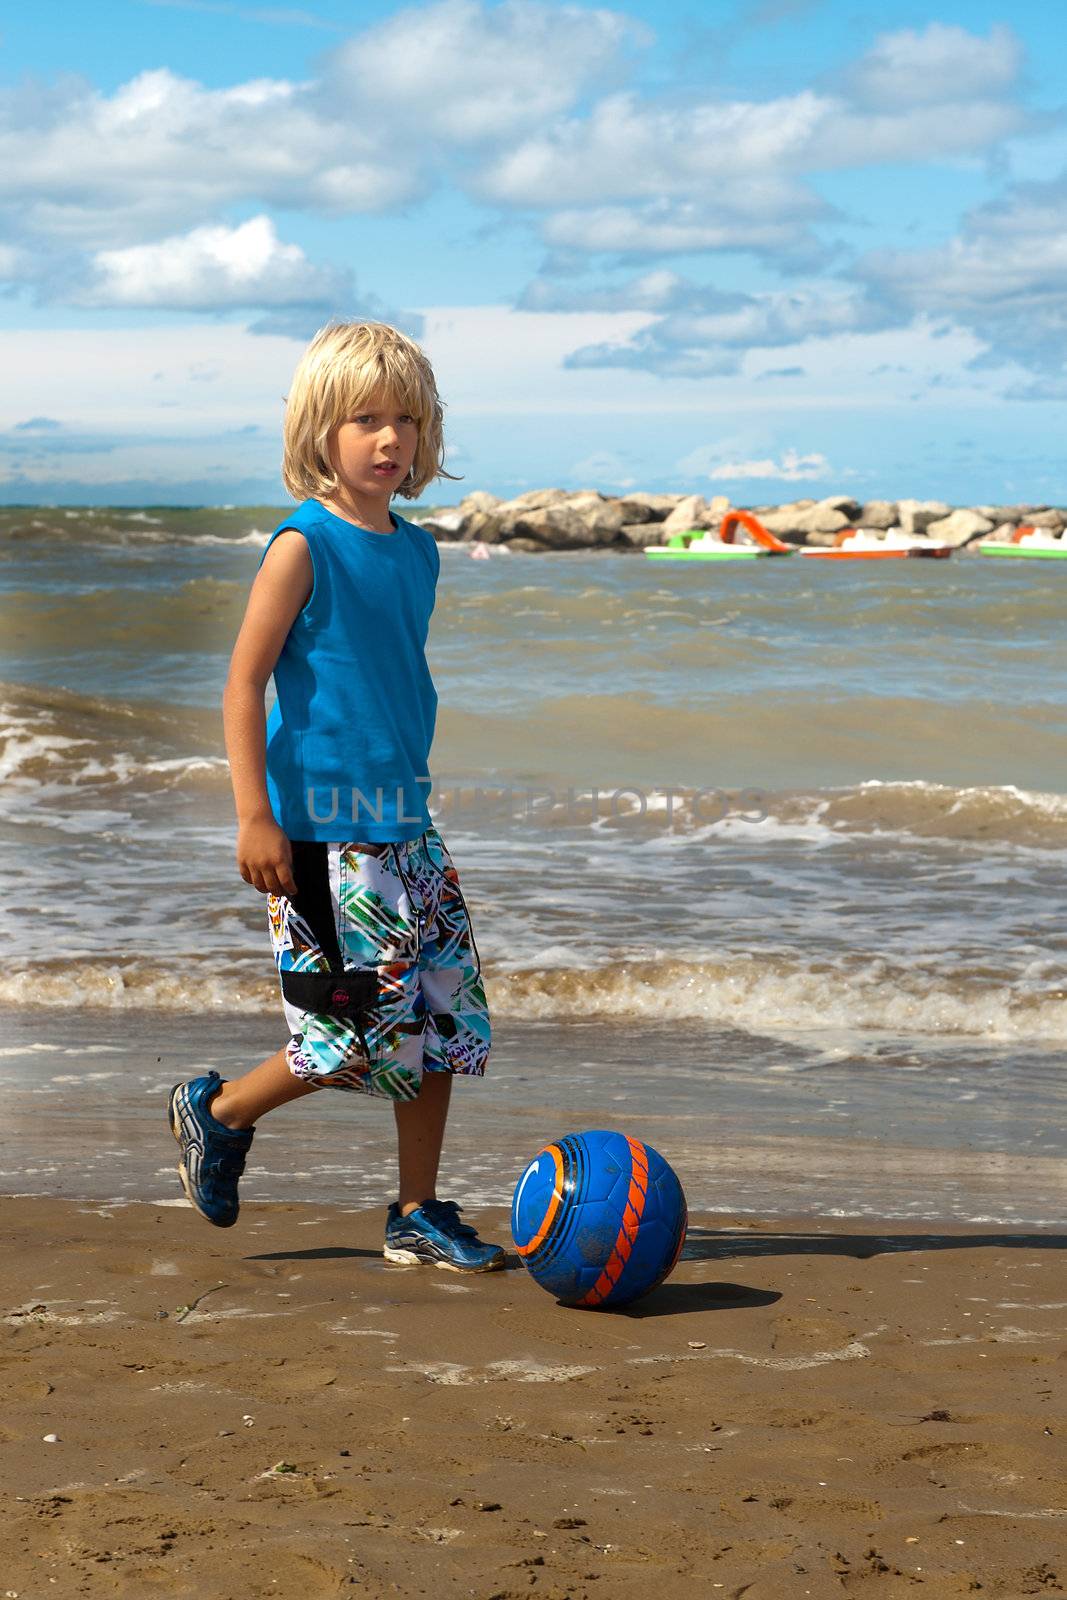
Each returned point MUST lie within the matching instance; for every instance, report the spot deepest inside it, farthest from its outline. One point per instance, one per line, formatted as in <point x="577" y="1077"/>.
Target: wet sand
<point x="753" y="1126"/>
<point x="805" y="1408"/>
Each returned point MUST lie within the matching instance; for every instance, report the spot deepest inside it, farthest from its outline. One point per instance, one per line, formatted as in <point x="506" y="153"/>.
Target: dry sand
<point x="804" y="1409"/>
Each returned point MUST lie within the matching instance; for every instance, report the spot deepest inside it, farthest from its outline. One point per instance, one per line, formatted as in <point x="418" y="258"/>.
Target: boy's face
<point x="372" y="450"/>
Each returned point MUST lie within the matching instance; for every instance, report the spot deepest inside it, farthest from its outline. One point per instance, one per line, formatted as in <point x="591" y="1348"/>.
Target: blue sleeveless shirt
<point x="348" y="739"/>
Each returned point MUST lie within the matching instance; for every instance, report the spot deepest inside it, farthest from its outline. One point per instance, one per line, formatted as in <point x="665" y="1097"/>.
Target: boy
<point x="380" y="976"/>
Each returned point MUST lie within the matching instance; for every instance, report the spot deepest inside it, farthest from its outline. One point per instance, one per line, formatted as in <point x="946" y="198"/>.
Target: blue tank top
<point x="348" y="739"/>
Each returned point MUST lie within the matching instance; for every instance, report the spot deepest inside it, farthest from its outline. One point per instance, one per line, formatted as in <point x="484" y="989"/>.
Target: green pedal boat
<point x="677" y="549"/>
<point x="1027" y="541"/>
<point x="699" y="544"/>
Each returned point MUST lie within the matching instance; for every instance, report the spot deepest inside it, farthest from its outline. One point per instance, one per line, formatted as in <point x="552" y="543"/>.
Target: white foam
<point x="786" y="994"/>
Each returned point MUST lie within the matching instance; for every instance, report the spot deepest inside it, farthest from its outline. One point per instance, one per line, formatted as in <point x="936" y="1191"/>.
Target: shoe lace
<point x="445" y="1213"/>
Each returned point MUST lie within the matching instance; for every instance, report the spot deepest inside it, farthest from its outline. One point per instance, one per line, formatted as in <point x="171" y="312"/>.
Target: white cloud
<point x="652" y="291"/>
<point x="410" y="101"/>
<point x="1003" y="277"/>
<point x="389" y="115"/>
<point x="922" y="134"/>
<point x="943" y="62"/>
<point x="792" y="467"/>
<point x="731" y="165"/>
<point x="96" y="171"/>
<point x="629" y="149"/>
<point x="121" y="198"/>
<point x="465" y="72"/>
<point x="704" y="332"/>
<point x="671" y="227"/>
<point x="163" y="151"/>
<point x="213" y="268"/>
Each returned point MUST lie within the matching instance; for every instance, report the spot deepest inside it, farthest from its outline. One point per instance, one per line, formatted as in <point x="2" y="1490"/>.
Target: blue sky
<point x="766" y="248"/>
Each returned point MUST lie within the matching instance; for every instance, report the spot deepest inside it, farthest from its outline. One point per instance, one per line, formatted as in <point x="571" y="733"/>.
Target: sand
<point x="806" y="1408"/>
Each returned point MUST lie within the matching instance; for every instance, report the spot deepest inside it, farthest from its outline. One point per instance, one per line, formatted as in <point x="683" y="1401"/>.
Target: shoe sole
<point x="408" y="1258"/>
<point x="182" y="1172"/>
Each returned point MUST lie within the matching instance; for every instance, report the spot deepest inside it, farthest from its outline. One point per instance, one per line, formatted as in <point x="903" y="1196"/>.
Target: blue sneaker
<point x="213" y="1156"/>
<point x="433" y="1233"/>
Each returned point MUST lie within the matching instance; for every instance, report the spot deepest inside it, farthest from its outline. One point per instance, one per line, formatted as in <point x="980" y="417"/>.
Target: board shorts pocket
<point x="348" y="997"/>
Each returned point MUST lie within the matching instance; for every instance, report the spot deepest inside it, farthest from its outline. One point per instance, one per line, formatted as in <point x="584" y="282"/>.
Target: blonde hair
<point x="346" y="365"/>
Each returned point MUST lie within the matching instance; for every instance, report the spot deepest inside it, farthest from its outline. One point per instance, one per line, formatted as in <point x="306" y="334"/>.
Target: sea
<point x="765" y="862"/>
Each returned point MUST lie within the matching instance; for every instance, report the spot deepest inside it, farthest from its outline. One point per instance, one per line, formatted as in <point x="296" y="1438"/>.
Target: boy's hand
<point x="265" y="857"/>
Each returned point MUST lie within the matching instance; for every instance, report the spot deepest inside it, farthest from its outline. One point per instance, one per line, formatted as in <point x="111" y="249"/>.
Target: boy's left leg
<point x="419" y="1226"/>
<point x="420" y="1132"/>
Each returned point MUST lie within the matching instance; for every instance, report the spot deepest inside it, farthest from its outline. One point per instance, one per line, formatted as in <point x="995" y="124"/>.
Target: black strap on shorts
<point x="336" y="993"/>
<point x="312" y="899"/>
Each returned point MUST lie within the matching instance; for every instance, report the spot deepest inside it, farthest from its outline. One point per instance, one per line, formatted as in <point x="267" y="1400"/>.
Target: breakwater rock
<point x="559" y="519"/>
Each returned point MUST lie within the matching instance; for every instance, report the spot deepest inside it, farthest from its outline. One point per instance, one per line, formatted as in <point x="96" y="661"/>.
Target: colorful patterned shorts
<point x="380" y="974"/>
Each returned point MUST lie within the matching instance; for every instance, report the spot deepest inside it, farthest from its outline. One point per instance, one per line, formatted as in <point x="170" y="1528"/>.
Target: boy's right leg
<point x="213" y="1147"/>
<point x="242" y="1101"/>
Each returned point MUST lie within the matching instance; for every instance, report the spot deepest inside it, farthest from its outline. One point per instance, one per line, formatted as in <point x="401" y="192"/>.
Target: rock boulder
<point x="917" y="515"/>
<point x="958" y="528"/>
<point x="806" y="518"/>
<point x="849" y="508"/>
<point x="692" y="512"/>
<point x="487" y="526"/>
<point x="532" y="500"/>
<point x="560" y="527"/>
<point x="479" y="500"/>
<point x="659" y="506"/>
<point x="638" y="535"/>
<point x="878" y="514"/>
<point x="604" y="517"/>
<point x="446" y="526"/>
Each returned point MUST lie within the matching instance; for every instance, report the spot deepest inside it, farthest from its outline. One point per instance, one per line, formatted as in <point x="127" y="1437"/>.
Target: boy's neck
<point x="364" y="511"/>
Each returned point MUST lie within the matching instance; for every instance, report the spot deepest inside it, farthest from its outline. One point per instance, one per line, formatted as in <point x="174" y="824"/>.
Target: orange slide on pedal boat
<point x="848" y="545"/>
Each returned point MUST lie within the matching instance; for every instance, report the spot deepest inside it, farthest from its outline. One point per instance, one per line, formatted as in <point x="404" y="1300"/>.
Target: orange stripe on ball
<point x="632" y="1212"/>
<point x="553" y="1205"/>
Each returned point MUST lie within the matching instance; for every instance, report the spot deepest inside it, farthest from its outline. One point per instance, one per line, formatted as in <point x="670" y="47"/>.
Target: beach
<point x="766" y="870"/>
<point x="803" y="1409"/>
<point x="850" y="1398"/>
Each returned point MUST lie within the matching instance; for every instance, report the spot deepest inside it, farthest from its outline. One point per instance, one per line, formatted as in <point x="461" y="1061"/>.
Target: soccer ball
<point x="598" y="1218"/>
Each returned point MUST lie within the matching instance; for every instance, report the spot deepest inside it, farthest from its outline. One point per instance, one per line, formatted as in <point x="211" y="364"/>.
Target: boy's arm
<point x="281" y="587"/>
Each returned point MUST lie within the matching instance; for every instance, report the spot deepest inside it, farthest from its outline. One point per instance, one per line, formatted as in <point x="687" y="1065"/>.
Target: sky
<point x="760" y="248"/>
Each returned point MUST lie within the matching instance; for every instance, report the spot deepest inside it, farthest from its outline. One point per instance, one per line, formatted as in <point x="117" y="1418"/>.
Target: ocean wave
<point x="56" y="742"/>
<point x="991" y="816"/>
<point x="757" y="995"/>
<point x="788" y="994"/>
<point x="121" y="525"/>
<point x="979" y="813"/>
